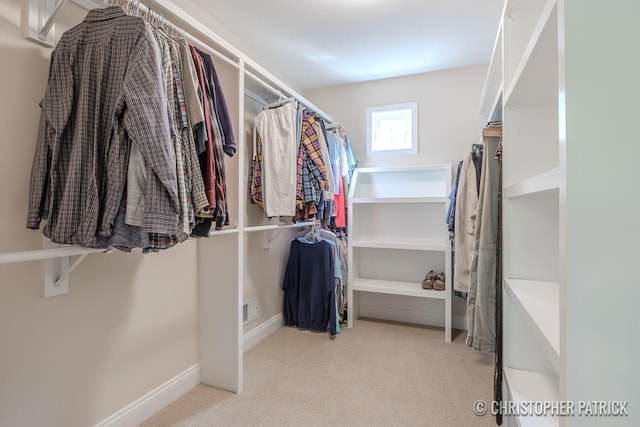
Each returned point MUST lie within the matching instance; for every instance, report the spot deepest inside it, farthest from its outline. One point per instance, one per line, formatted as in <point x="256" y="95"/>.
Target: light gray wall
<point x="129" y="322"/>
<point x="449" y="121"/>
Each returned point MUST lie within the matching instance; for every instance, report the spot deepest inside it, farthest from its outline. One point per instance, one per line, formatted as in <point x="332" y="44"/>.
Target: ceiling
<point x="332" y="42"/>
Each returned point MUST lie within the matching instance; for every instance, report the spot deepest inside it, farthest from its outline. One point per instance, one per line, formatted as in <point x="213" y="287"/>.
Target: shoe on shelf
<point x="438" y="282"/>
<point x="427" y="283"/>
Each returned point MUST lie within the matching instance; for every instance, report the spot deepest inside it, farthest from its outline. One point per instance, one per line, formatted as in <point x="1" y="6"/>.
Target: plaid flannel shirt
<point x="104" y="74"/>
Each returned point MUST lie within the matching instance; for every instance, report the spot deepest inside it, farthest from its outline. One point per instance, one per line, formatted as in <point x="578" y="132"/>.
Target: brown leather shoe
<point x="427" y="283"/>
<point x="438" y="282"/>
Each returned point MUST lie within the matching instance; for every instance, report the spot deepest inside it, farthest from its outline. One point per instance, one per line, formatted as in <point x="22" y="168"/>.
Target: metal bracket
<point x="268" y="236"/>
<point x="57" y="270"/>
<point x="56" y="277"/>
<point x="38" y="20"/>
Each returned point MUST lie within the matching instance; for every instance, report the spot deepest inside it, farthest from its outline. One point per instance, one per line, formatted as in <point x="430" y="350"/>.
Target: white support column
<point x="242" y="144"/>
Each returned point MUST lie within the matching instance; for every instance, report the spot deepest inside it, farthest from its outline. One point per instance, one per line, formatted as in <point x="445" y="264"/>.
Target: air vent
<point x="249" y="310"/>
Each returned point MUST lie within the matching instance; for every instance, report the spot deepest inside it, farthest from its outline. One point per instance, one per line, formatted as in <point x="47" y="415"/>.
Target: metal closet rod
<point x="145" y="10"/>
<point x="255" y="228"/>
<point x="278" y="92"/>
<point x="43" y="254"/>
<point x="215" y="39"/>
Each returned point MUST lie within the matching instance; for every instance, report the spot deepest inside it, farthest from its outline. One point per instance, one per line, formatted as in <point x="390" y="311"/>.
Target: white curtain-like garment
<point x="277" y="129"/>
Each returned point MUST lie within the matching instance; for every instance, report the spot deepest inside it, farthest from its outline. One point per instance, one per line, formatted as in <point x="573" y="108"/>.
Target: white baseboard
<point x="419" y="317"/>
<point x="256" y="335"/>
<point x="151" y="403"/>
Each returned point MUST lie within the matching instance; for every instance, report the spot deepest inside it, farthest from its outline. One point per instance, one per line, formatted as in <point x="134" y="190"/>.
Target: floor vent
<point x="249" y="310"/>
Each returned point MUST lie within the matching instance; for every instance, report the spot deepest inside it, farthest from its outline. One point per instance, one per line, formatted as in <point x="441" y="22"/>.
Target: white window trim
<point x="414" y="130"/>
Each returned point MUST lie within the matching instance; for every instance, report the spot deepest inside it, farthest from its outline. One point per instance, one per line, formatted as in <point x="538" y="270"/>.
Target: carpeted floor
<point x="376" y="374"/>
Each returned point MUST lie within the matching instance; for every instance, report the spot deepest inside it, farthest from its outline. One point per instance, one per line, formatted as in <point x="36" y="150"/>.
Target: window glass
<point x="391" y="129"/>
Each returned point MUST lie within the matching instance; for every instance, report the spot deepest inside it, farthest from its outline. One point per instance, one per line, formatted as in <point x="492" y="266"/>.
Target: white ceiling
<point x="330" y="42"/>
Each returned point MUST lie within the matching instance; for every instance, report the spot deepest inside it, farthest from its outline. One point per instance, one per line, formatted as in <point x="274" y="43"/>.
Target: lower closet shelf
<point x="528" y="386"/>
<point x="396" y="288"/>
<point x="539" y="301"/>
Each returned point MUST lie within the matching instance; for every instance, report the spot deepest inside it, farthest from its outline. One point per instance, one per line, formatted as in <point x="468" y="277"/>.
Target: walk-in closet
<point x="351" y="214"/>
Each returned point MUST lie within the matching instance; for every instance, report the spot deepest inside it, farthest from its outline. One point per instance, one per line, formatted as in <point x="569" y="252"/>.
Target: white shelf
<point x="493" y="82"/>
<point x="398" y="182"/>
<point x="424" y="245"/>
<point x="535" y="70"/>
<point x="398" y="232"/>
<point x="565" y="89"/>
<point x="545" y="181"/>
<point x="540" y="302"/>
<point x="399" y="200"/>
<point x="396" y="288"/>
<point x="523" y="23"/>
<point x="527" y="386"/>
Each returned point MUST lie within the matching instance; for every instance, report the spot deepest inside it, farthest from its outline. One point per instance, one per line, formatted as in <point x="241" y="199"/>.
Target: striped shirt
<point x="105" y="91"/>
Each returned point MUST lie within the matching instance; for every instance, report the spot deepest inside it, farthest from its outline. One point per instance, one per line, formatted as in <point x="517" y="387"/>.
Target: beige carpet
<point x="376" y="374"/>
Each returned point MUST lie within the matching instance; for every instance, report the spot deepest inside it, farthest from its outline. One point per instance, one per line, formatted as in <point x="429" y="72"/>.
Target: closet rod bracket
<point x="38" y="20"/>
<point x="56" y="268"/>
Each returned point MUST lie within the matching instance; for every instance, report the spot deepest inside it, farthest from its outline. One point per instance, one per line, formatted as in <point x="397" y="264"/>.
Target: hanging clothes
<point x="326" y="206"/>
<point x="341" y="260"/>
<point x="277" y="130"/>
<point x="117" y="160"/>
<point x="481" y="302"/>
<point x="80" y="162"/>
<point x="311" y="172"/>
<point x="255" y="190"/>
<point x="345" y="163"/>
<point x="309" y="286"/>
<point x="465" y="223"/>
<point x="338" y="200"/>
<point x="224" y="140"/>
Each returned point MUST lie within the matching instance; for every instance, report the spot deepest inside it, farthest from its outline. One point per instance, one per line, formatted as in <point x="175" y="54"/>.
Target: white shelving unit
<point x="566" y="286"/>
<point x="398" y="233"/>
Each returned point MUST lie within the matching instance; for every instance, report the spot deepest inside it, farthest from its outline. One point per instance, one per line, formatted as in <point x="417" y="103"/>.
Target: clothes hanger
<point x="282" y="100"/>
<point x="477" y="149"/>
<point x="313" y="236"/>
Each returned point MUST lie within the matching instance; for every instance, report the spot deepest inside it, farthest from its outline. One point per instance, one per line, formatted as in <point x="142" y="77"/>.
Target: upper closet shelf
<point x="536" y="67"/>
<point x="422" y="184"/>
<point x="492" y="91"/>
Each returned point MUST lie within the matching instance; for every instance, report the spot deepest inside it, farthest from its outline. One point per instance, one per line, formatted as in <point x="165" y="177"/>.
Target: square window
<point x="392" y="129"/>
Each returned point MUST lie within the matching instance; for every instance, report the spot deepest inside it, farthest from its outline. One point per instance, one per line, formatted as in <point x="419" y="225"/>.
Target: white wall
<point x="448" y="123"/>
<point x="129" y="322"/>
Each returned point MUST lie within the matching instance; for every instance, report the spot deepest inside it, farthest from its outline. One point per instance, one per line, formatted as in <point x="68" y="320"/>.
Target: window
<point x="392" y="129"/>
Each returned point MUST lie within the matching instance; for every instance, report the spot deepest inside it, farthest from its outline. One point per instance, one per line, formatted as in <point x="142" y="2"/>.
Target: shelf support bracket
<point x="38" y="19"/>
<point x="57" y="271"/>
<point x="56" y="276"/>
